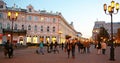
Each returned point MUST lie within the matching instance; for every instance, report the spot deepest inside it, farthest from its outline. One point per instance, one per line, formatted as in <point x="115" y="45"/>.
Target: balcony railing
<point x="15" y="30"/>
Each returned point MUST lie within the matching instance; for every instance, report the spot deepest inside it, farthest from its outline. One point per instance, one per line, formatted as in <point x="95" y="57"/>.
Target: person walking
<point x="98" y="48"/>
<point x="48" y="47"/>
<point x="51" y="46"/>
<point x="104" y="46"/>
<point x="56" y="47"/>
<point x="8" y="49"/>
<point x="73" y="48"/>
<point x="41" y="45"/>
<point x="62" y="45"/>
<point x="68" y="47"/>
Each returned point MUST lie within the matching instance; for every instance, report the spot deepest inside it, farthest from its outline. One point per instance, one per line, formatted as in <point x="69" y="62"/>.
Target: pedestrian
<point x="68" y="47"/>
<point x="104" y="46"/>
<point x="87" y="46"/>
<point x="98" y="48"/>
<point x="78" y="44"/>
<point x="41" y="45"/>
<point x="73" y="44"/>
<point x="48" y="45"/>
<point x="6" y="48"/>
<point x="56" y="47"/>
<point x="62" y="45"/>
<point x="51" y="46"/>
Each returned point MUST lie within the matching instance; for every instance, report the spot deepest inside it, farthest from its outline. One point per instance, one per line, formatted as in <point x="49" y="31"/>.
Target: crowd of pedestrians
<point x="69" y="47"/>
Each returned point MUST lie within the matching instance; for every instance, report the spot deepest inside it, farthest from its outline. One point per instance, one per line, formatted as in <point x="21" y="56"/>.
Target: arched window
<point x="8" y="26"/>
<point x="53" y="29"/>
<point x="29" y="27"/>
<point x="22" y="27"/>
<point x="15" y="27"/>
<point x="0" y="25"/>
<point x="48" y="29"/>
<point x="41" y="28"/>
<point x="35" y="28"/>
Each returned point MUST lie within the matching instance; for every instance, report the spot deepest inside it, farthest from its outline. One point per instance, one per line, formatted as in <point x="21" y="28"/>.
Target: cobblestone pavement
<point x="28" y="55"/>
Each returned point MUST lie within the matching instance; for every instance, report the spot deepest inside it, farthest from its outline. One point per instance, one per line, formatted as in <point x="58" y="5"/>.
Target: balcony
<point x="14" y="31"/>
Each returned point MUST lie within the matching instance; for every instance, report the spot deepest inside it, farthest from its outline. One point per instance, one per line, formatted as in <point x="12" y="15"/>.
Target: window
<point x="29" y="18"/>
<point x="22" y="27"/>
<point x="48" y="29"/>
<point x="29" y="27"/>
<point x="15" y="27"/>
<point x="8" y="26"/>
<point x="41" y="28"/>
<point x="1" y="6"/>
<point x="48" y="19"/>
<point x="54" y="20"/>
<point x="35" y="28"/>
<point x="0" y="25"/>
<point x="30" y="10"/>
<point x="36" y="18"/>
<point x="42" y="19"/>
<point x="53" y="29"/>
<point x="1" y="15"/>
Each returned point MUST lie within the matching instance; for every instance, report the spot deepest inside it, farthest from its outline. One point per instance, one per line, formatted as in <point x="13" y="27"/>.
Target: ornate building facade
<point x="107" y="26"/>
<point x="34" y="26"/>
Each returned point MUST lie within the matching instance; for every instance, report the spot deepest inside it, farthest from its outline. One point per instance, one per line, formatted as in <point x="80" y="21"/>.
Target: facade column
<point x="24" y="40"/>
<point x="38" y="39"/>
<point x="58" y="39"/>
<point x="50" y="38"/>
<point x="44" y="39"/>
<point x="31" y="39"/>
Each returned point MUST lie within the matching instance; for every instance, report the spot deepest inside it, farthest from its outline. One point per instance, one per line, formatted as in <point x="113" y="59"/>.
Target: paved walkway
<point x="28" y="55"/>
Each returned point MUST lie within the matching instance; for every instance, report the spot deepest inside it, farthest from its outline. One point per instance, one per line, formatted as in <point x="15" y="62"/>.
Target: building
<point x="107" y="26"/>
<point x="34" y="26"/>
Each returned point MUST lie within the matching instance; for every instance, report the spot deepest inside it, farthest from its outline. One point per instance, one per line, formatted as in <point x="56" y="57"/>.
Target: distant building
<point x="34" y="26"/>
<point x="107" y="26"/>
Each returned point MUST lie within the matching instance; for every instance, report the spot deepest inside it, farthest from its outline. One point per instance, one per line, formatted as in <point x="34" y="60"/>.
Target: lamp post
<point x="111" y="9"/>
<point x="12" y="16"/>
<point x="60" y="32"/>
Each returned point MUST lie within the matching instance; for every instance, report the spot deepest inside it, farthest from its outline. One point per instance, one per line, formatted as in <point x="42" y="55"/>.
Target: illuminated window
<point x="35" y="39"/>
<point x="41" y="19"/>
<point x="28" y="39"/>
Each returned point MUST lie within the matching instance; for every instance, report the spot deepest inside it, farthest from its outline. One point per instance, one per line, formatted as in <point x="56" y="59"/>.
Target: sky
<point x="83" y="13"/>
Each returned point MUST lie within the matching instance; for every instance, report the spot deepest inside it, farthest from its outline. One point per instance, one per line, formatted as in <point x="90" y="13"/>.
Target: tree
<point x="103" y="34"/>
<point x="118" y="34"/>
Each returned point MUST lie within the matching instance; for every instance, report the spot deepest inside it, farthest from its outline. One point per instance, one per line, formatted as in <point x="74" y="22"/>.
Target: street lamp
<point x="12" y="16"/>
<point x="111" y="9"/>
<point x="60" y="32"/>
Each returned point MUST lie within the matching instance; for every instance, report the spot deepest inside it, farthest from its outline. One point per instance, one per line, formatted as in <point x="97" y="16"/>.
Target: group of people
<point x="70" y="45"/>
<point x="8" y="49"/>
<point x="101" y="46"/>
<point x="51" y="47"/>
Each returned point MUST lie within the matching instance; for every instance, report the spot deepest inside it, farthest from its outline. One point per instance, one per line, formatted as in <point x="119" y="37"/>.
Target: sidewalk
<point x="28" y="55"/>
